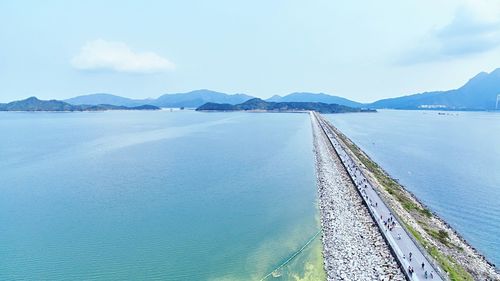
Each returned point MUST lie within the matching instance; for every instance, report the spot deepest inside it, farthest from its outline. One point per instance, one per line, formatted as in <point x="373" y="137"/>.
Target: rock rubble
<point x="353" y="248"/>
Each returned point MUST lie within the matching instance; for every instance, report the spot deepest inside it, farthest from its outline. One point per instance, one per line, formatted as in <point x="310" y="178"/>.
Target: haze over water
<point x="450" y="162"/>
<point x="156" y="195"/>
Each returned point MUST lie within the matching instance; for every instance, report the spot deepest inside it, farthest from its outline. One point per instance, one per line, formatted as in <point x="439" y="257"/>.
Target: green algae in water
<point x="305" y="261"/>
<point x="307" y="266"/>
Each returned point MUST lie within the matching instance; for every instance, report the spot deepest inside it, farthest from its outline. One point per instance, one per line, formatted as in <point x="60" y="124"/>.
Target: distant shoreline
<point x="33" y="104"/>
<point x="260" y="105"/>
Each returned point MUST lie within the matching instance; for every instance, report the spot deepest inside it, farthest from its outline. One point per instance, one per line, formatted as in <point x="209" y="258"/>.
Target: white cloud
<point x="487" y="10"/>
<point x="474" y="29"/>
<point x="468" y="33"/>
<point x="117" y="56"/>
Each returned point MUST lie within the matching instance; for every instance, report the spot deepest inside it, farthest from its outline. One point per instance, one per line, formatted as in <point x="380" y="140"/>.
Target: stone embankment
<point x="353" y="247"/>
<point x="438" y="242"/>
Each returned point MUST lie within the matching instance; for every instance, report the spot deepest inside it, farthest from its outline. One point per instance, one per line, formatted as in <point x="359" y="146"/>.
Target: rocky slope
<point x="353" y="248"/>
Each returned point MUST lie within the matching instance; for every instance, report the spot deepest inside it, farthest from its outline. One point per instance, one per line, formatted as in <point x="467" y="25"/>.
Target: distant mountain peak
<point x="254" y="100"/>
<point x="479" y="93"/>
<point x="274" y="98"/>
<point x="485" y="75"/>
<point x="479" y="76"/>
<point x="496" y="71"/>
<point x="104" y="98"/>
<point x="307" y="93"/>
<point x="202" y="91"/>
<point x="100" y="95"/>
<point x="315" y="97"/>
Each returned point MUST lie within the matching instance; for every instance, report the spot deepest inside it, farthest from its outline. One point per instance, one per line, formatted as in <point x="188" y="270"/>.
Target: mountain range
<point x="191" y="99"/>
<point x="34" y="104"/>
<point x="313" y="97"/>
<point x="479" y="93"/>
<point x="197" y="98"/>
<point x="257" y="104"/>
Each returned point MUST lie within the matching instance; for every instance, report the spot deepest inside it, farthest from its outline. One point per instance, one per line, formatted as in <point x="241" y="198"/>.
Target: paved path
<point x="397" y="238"/>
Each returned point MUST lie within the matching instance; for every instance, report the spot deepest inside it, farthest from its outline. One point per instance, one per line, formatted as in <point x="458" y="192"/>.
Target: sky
<point x="361" y="50"/>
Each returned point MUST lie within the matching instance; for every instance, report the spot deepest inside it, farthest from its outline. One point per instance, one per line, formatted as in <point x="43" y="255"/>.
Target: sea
<point x="449" y="160"/>
<point x="163" y="195"/>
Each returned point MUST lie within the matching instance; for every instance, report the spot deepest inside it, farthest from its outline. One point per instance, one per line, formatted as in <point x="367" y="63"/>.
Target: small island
<point x="257" y="104"/>
<point x="34" y="104"/>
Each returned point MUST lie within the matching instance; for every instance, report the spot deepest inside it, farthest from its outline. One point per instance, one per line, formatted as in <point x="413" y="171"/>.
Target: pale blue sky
<point x="362" y="50"/>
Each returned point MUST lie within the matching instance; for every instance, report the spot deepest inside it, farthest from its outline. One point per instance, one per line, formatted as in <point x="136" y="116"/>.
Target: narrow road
<point x="406" y="251"/>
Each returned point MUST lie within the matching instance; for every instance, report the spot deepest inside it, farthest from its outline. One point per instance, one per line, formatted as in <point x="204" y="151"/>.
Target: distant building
<point x="432" y="106"/>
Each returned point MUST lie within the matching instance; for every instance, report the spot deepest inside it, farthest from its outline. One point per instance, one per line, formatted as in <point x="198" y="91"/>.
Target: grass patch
<point x="425" y="212"/>
<point x="415" y="234"/>
<point x="441" y="235"/>
<point x="448" y="264"/>
<point x="389" y="184"/>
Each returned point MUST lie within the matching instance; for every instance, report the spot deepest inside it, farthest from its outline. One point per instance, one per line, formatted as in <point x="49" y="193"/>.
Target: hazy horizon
<point x="357" y="50"/>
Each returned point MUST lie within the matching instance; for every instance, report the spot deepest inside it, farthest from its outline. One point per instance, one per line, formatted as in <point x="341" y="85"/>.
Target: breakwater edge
<point x="353" y="247"/>
<point x="442" y="246"/>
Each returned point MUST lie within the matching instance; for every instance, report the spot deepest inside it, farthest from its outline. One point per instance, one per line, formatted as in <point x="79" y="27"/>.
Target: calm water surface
<point x="156" y="195"/>
<point x="451" y="162"/>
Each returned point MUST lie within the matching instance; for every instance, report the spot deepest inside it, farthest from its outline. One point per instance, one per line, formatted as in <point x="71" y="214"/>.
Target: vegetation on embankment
<point x="449" y="250"/>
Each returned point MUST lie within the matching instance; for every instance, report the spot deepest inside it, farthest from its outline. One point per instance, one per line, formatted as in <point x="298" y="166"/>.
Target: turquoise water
<point x="451" y="162"/>
<point x="156" y="196"/>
